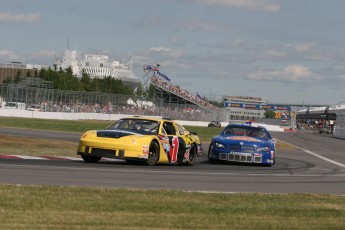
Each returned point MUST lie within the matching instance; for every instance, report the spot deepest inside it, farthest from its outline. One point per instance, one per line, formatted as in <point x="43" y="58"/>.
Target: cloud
<point x="305" y="47"/>
<point x="257" y="5"/>
<point x="167" y="52"/>
<point x="7" y="55"/>
<point x="275" y="53"/>
<point x="292" y="73"/>
<point x="229" y="44"/>
<point x="20" y="18"/>
<point x="45" y="54"/>
<point x="179" y="24"/>
<point x="176" y="41"/>
<point x="45" y="57"/>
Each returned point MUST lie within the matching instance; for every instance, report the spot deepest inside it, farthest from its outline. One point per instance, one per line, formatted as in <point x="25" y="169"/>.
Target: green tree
<point x="139" y="90"/>
<point x="7" y="80"/>
<point x="65" y="80"/>
<point x="17" y="77"/>
<point x="270" y="114"/>
<point x="151" y="91"/>
<point x="86" y="82"/>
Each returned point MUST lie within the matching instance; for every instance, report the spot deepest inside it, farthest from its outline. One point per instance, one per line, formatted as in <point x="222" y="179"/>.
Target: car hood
<point x="115" y="133"/>
<point x="237" y="139"/>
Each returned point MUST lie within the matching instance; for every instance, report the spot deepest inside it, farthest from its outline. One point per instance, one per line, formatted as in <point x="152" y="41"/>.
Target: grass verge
<point x="15" y="145"/>
<point x="41" y="207"/>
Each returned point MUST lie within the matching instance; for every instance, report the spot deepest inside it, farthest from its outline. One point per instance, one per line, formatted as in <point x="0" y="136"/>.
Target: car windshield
<point x="142" y="126"/>
<point x="250" y="131"/>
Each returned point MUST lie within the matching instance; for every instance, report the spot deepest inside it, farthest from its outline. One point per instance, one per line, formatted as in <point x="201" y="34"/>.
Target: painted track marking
<point x="316" y="155"/>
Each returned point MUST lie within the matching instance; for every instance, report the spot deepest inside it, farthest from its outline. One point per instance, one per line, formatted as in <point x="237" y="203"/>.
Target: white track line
<point x="28" y="157"/>
<point x="317" y="155"/>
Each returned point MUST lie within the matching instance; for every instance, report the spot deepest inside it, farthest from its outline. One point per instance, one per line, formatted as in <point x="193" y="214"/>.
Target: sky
<point x="284" y="51"/>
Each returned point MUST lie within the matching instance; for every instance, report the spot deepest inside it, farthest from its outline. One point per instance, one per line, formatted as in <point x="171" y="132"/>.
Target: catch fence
<point x="39" y="95"/>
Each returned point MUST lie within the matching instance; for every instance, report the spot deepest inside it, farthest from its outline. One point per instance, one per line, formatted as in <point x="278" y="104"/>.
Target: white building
<point x="98" y="66"/>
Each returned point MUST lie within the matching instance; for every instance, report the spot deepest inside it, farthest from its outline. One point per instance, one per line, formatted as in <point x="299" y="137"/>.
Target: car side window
<point x="169" y="128"/>
<point x="163" y="131"/>
<point x="262" y="134"/>
<point x="228" y="131"/>
<point x="180" y="129"/>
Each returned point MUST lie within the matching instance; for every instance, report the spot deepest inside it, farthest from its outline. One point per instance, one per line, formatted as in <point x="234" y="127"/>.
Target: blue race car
<point x="243" y="143"/>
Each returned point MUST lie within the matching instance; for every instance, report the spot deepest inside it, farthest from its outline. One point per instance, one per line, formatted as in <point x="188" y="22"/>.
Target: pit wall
<point x="339" y="133"/>
<point x="102" y="116"/>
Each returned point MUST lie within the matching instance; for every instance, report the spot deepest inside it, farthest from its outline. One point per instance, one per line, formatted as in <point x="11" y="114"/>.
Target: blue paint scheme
<point x="243" y="143"/>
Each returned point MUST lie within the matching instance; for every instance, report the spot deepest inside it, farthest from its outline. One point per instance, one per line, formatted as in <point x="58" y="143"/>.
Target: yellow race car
<point x="141" y="139"/>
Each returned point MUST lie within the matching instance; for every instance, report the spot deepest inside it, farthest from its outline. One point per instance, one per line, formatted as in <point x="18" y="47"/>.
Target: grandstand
<point x="171" y="96"/>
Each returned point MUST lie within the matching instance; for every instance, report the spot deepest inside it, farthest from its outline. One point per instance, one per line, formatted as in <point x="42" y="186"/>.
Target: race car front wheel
<point x="90" y="159"/>
<point x="209" y="155"/>
<point x="153" y="154"/>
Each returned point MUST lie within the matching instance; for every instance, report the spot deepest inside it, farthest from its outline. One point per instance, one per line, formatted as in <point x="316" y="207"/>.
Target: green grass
<point x="17" y="145"/>
<point x="42" y="207"/>
<point x="55" y="125"/>
<point x="83" y="125"/>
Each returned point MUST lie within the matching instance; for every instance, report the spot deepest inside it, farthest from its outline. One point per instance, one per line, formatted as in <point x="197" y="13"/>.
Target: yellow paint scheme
<point x="134" y="146"/>
<point x="131" y="145"/>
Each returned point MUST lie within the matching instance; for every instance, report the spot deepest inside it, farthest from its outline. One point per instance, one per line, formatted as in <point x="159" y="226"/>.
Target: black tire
<point x="212" y="161"/>
<point x="192" y="156"/>
<point x="90" y="159"/>
<point x="153" y="154"/>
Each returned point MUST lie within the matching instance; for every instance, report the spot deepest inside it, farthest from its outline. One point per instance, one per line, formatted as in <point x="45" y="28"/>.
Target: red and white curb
<point x="290" y="130"/>
<point x="26" y="157"/>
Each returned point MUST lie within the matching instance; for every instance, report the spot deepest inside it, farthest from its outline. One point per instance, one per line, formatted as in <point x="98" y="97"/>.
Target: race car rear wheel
<point x="192" y="157"/>
<point x="90" y="159"/>
<point x="153" y="154"/>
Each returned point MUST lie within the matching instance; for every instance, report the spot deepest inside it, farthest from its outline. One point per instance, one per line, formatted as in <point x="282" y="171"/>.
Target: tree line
<point x="65" y="80"/>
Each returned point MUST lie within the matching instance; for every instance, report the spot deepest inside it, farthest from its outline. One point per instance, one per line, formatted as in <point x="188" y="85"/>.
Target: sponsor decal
<point x="267" y="107"/>
<point x="145" y="150"/>
<point x="235" y="105"/>
<point x="240" y="153"/>
<point x="165" y="143"/>
<point x="242" y="138"/>
<point x="272" y="155"/>
<point x="186" y="155"/>
<point x="174" y="149"/>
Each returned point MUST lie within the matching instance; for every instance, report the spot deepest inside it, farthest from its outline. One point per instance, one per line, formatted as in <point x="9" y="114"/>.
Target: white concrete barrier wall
<point x="339" y="133"/>
<point x="101" y="116"/>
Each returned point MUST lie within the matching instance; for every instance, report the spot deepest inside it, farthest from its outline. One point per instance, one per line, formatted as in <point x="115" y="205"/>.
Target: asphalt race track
<point x="317" y="165"/>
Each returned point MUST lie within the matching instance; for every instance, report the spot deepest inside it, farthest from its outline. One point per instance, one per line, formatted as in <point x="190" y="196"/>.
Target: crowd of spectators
<point x="326" y="126"/>
<point x="197" y="99"/>
<point x="130" y="109"/>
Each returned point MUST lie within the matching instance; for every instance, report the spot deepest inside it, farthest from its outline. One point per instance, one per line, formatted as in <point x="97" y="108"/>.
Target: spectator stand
<point x="171" y="96"/>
